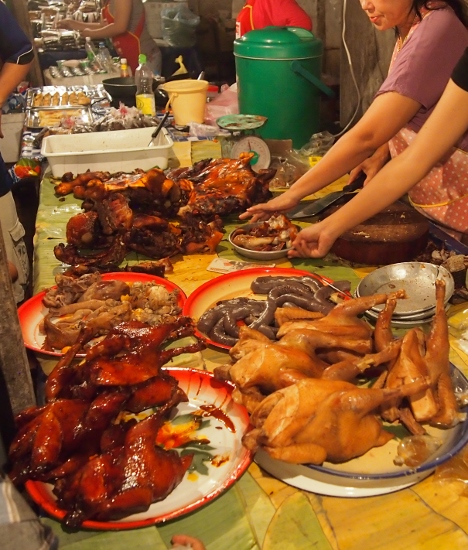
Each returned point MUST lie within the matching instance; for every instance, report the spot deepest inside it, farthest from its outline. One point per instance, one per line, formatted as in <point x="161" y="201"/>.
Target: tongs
<point x="155" y="134"/>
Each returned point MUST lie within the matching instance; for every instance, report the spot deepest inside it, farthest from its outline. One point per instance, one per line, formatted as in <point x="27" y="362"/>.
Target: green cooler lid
<point x="278" y="43"/>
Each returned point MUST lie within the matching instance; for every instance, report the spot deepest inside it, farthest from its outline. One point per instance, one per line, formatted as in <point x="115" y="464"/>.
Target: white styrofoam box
<point x="114" y="151"/>
<point x="153" y="16"/>
<point x="12" y="127"/>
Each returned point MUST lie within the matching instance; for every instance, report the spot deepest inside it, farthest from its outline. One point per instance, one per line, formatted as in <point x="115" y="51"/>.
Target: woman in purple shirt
<point x="434" y="141"/>
<point x="431" y="38"/>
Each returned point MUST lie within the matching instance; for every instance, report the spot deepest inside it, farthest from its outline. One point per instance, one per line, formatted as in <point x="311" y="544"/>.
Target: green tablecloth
<point x="260" y="512"/>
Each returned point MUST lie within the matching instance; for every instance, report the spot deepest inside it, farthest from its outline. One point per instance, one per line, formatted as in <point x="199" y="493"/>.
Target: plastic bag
<point x="318" y="144"/>
<point x="178" y="26"/>
<point x="225" y="103"/>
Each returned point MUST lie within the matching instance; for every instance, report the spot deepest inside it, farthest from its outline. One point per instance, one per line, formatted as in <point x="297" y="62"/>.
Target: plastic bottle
<point x="91" y="52"/>
<point x="124" y="69"/>
<point x="104" y="58"/>
<point x="145" y="100"/>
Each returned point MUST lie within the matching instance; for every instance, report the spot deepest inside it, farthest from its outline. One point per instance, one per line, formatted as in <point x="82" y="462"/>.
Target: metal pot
<point x="123" y="89"/>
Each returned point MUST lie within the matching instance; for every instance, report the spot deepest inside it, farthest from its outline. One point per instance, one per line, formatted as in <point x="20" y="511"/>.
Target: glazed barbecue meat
<point x="200" y="237"/>
<point x="82" y="229"/>
<point x="153" y="236"/>
<point x="103" y="464"/>
<point x="124" y="480"/>
<point x="61" y="429"/>
<point x="131" y="212"/>
<point x="224" y="186"/>
<point x="68" y="182"/>
<point x="105" y="258"/>
<point x="142" y="357"/>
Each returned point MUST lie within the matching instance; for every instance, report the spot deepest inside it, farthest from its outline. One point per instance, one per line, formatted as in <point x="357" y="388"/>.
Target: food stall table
<point x="260" y="511"/>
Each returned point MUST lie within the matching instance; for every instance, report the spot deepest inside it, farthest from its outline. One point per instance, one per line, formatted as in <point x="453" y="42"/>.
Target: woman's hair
<point x="457" y="6"/>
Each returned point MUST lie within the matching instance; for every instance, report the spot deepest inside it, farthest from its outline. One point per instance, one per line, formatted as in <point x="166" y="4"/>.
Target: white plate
<point x="266" y="256"/>
<point x="373" y="473"/>
<point x="32" y="312"/>
<point x="196" y="489"/>
<point x="416" y="278"/>
<point x="310" y="480"/>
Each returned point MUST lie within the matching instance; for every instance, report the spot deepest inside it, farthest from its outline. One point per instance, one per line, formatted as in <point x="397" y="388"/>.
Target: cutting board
<point x="397" y="234"/>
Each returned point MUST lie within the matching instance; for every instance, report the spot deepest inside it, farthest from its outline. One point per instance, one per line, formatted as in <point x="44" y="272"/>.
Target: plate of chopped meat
<point x="267" y="240"/>
<point x="208" y="427"/>
<point x="52" y="319"/>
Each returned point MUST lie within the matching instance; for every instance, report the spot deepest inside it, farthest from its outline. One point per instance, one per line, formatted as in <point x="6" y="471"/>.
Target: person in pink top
<point x="431" y="37"/>
<point x="257" y="14"/>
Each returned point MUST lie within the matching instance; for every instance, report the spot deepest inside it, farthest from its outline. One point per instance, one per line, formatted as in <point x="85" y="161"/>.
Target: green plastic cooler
<point x="278" y="76"/>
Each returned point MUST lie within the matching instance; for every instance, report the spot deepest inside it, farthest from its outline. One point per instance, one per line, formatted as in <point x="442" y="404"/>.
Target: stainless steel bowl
<point x="416" y="278"/>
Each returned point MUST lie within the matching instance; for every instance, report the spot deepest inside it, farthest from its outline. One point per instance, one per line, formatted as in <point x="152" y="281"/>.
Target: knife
<point x="306" y="209"/>
<point x="155" y="134"/>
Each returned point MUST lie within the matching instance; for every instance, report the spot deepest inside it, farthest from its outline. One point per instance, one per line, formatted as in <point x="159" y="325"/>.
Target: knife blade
<point x="306" y="209"/>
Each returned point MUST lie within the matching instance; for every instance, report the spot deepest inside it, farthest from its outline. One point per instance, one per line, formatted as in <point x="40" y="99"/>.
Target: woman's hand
<point x="372" y="165"/>
<point x="68" y="24"/>
<point x="279" y="205"/>
<point x="313" y="242"/>
<point x="186" y="541"/>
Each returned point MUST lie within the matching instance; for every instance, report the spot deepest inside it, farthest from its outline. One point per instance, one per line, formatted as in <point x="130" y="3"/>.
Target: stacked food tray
<point x="49" y="105"/>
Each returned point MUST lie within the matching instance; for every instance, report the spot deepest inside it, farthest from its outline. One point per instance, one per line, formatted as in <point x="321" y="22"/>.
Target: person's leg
<point x="15" y="247"/>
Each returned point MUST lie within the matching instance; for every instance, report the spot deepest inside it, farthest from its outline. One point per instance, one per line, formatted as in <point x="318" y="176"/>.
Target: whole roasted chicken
<point x="302" y="389"/>
<point x="315" y="420"/>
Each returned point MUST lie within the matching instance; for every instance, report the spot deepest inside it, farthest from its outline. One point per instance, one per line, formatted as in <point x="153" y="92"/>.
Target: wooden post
<point x="16" y="387"/>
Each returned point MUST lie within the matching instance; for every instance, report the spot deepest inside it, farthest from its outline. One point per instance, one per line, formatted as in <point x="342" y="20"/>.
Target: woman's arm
<point x="440" y="132"/>
<point x="11" y="75"/>
<point x="387" y="114"/>
<point x="123" y="11"/>
<point x="72" y="25"/>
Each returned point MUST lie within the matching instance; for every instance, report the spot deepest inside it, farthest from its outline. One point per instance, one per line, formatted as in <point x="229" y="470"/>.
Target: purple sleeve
<point x="424" y="65"/>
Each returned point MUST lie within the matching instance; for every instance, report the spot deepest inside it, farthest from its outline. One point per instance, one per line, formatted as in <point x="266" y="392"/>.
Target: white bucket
<point x="187" y="99"/>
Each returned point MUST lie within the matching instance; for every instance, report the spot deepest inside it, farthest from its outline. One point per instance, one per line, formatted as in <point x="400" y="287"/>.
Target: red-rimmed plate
<point x="229" y="458"/>
<point x="33" y="311"/>
<point x="228" y="286"/>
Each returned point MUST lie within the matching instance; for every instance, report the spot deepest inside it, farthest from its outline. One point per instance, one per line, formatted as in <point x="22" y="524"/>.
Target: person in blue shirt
<point x="16" y="56"/>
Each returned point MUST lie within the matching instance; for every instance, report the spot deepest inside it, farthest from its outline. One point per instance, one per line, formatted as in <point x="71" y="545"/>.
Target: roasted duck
<point x="155" y="214"/>
<point x="104" y="464"/>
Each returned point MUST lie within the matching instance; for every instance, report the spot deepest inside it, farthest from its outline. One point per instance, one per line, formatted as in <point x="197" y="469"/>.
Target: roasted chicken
<point x="303" y="390"/>
<point x="315" y="420"/>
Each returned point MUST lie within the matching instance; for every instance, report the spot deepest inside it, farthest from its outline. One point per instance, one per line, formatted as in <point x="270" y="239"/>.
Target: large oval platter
<point x="373" y="473"/>
<point x="228" y="286"/>
<point x="31" y="314"/>
<point x="226" y="458"/>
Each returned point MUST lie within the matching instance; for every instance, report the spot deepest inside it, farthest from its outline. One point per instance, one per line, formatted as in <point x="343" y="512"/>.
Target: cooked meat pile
<point x="302" y="393"/>
<point x="99" y="305"/>
<point x="132" y="212"/>
<point x="276" y="233"/>
<point x="104" y="467"/>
